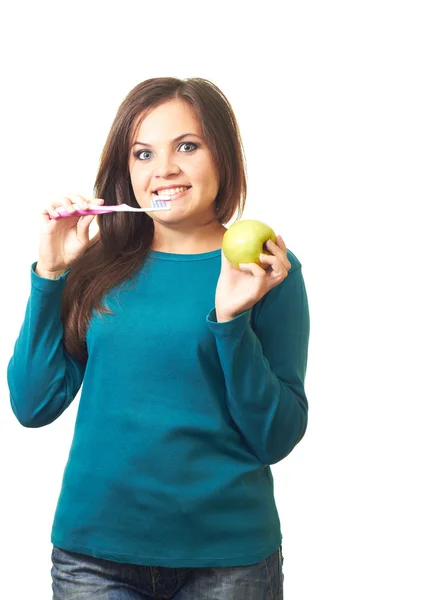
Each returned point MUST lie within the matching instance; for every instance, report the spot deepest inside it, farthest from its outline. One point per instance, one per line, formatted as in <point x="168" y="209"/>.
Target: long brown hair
<point x="119" y="249"/>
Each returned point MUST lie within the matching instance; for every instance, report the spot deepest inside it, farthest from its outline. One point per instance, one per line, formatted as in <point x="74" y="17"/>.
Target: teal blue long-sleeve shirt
<point x="179" y="416"/>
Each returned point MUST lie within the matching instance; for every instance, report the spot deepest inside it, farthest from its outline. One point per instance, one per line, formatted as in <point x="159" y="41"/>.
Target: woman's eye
<point x="139" y="154"/>
<point x="194" y="146"/>
<point x="183" y="144"/>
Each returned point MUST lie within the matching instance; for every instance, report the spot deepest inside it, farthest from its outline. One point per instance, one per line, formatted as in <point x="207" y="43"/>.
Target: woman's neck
<point x="188" y="244"/>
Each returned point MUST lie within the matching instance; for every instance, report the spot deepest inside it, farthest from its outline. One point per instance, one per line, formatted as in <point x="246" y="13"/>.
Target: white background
<point x="338" y="104"/>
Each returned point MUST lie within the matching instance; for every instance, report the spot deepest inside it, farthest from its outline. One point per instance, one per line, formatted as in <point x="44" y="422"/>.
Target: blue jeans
<point x="81" y="577"/>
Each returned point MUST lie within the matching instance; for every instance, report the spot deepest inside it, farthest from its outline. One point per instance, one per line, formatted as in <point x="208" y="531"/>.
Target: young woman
<point x="192" y="371"/>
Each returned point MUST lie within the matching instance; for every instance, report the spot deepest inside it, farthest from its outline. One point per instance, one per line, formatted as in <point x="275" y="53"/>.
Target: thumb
<point x="225" y="263"/>
<point x="83" y="227"/>
<point x="252" y="269"/>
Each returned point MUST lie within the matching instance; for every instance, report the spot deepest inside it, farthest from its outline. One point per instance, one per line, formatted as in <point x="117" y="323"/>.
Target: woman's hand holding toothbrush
<point x="62" y="241"/>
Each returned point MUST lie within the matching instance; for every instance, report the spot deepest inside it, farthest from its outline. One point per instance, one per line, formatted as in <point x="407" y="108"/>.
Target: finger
<point x="44" y="217"/>
<point x="83" y="228"/>
<point x="80" y="201"/>
<point x="65" y="204"/>
<point x="45" y="211"/>
<point x="69" y="205"/>
<point x="272" y="247"/>
<point x="52" y="210"/>
<point x="268" y="259"/>
<point x="281" y="243"/>
<point x="278" y="252"/>
<point x="283" y="247"/>
<point x="278" y="268"/>
<point x="84" y="223"/>
<point x="252" y="269"/>
<point x="95" y="202"/>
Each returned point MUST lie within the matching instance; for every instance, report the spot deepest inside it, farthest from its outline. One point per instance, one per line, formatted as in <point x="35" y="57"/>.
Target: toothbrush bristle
<point x="162" y="203"/>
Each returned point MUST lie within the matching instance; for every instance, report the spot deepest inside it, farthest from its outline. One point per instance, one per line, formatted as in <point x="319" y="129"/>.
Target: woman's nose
<point x="165" y="165"/>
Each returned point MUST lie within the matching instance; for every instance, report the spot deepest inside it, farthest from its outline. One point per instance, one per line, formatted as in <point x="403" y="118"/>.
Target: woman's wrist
<point x="42" y="272"/>
<point x="222" y="317"/>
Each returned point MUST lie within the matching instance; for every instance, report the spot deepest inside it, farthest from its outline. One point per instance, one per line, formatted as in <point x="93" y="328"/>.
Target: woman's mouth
<point x="172" y="194"/>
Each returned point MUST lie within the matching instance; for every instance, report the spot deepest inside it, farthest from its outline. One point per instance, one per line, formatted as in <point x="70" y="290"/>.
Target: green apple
<point x="244" y="242"/>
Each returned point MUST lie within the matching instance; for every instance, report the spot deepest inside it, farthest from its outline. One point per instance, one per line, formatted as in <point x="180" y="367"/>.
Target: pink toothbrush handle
<point x="82" y="213"/>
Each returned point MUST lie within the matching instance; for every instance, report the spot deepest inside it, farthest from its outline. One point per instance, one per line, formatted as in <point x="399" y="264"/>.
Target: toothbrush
<point x="97" y="209"/>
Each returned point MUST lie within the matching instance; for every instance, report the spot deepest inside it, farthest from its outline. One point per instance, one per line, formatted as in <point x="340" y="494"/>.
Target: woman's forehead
<point x="171" y="115"/>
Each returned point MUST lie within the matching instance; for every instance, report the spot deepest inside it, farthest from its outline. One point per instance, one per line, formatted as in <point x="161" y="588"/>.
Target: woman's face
<point x="169" y="152"/>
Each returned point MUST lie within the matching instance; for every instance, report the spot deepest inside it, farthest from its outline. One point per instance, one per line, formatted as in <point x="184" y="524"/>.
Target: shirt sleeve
<point x="264" y="360"/>
<point x="43" y="378"/>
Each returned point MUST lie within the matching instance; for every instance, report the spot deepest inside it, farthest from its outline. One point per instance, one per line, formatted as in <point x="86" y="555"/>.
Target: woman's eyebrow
<point x="177" y="139"/>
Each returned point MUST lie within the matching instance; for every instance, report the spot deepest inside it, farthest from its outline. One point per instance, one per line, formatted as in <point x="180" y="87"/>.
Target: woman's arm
<point x="265" y="364"/>
<point x="43" y="379"/>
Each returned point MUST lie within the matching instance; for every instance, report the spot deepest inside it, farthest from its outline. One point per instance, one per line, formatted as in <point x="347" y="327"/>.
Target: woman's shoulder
<point x="293" y="259"/>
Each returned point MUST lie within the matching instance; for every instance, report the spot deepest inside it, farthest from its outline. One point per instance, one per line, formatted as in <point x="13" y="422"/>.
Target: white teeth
<point x="171" y="192"/>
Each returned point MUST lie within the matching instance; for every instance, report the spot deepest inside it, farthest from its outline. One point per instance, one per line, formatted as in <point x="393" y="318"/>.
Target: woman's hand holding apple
<point x="238" y="290"/>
